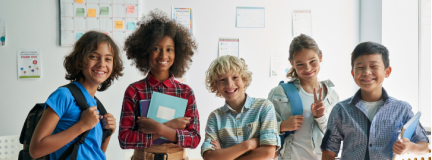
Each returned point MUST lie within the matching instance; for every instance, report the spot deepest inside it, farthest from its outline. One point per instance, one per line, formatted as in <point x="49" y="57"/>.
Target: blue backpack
<point x="296" y="105"/>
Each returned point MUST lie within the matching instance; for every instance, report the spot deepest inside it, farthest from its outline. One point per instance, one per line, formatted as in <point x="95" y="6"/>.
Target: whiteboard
<point x="117" y="18"/>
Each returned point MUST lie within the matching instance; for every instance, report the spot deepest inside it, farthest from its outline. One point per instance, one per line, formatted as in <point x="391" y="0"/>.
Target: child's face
<point x="307" y="64"/>
<point x="162" y="56"/>
<point x="99" y="65"/>
<point x="231" y="86"/>
<point x="369" y="72"/>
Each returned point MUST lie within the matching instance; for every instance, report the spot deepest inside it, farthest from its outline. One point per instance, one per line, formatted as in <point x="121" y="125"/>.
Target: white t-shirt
<point x="371" y="108"/>
<point x="302" y="148"/>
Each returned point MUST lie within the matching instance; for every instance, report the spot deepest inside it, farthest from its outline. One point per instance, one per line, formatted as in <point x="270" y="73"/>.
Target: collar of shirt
<point x="246" y="106"/>
<point x="154" y="82"/>
<point x="356" y="101"/>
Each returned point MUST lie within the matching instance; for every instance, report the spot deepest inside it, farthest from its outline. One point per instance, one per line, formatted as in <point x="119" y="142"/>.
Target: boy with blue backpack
<point x="303" y="104"/>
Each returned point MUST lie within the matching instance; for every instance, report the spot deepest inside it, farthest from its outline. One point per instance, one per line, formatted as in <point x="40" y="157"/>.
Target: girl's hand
<point x="89" y="118"/>
<point x="109" y="122"/>
<point x="292" y="123"/>
<point x="318" y="108"/>
<point x="178" y="123"/>
<point x="148" y="125"/>
<point x="216" y="144"/>
<point x="402" y="146"/>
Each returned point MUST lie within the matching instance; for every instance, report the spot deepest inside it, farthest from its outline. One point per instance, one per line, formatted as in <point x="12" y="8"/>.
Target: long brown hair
<point x="87" y="44"/>
<point x="297" y="44"/>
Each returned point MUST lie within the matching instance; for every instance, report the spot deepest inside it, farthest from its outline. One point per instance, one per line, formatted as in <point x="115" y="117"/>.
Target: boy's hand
<point x="292" y="123"/>
<point x="216" y="144"/>
<point x="89" y="118"/>
<point x="178" y="123"/>
<point x="109" y="122"/>
<point x="148" y="125"/>
<point x="252" y="143"/>
<point x="402" y="146"/>
<point x="318" y="108"/>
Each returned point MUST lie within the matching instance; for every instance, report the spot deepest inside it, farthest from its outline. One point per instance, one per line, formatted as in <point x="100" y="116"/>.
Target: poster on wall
<point x="229" y="46"/>
<point x="302" y="22"/>
<point x="2" y="30"/>
<point x="279" y="64"/>
<point x="29" y="63"/>
<point x="117" y="19"/>
<point x="250" y="17"/>
<point x="183" y="16"/>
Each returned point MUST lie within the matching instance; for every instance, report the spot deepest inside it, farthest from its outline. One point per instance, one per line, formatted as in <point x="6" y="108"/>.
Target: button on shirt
<point x="365" y="139"/>
<point x="257" y="119"/>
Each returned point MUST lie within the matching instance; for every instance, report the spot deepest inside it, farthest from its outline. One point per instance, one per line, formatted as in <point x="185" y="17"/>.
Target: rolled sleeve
<point x="420" y="134"/>
<point x="333" y="135"/>
<point x="269" y="130"/>
<point x="210" y="134"/>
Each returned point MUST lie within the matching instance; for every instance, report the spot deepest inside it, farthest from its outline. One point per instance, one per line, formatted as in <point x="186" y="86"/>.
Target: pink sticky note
<point x="130" y="9"/>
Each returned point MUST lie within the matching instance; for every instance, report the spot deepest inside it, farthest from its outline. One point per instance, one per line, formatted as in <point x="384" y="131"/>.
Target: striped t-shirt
<point x="257" y="119"/>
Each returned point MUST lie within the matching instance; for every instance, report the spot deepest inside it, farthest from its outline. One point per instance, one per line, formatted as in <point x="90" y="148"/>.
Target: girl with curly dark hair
<point x="93" y="65"/>
<point x="161" y="49"/>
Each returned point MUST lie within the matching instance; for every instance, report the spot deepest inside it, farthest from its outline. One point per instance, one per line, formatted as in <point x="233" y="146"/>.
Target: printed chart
<point x="229" y="46"/>
<point x="250" y="17"/>
<point x="302" y="22"/>
<point x="116" y="18"/>
<point x="183" y="16"/>
<point x="29" y="63"/>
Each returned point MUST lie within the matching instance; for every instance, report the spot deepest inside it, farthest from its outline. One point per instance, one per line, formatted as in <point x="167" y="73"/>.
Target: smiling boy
<point x="244" y="124"/>
<point x="369" y="122"/>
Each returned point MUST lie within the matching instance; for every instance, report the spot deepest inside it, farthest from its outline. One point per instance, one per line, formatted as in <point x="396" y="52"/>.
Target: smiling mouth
<point x="308" y="74"/>
<point x="162" y="62"/>
<point x="99" y="72"/>
<point x="368" y="80"/>
<point x="231" y="92"/>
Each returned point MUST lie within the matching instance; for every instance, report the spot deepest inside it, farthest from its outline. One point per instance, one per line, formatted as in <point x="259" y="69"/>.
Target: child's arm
<point x="404" y="146"/>
<point x="43" y="143"/>
<point x="328" y="155"/>
<point x="262" y="152"/>
<point x="232" y="152"/>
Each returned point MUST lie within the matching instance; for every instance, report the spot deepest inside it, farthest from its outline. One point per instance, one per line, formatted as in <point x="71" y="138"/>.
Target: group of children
<point x="245" y="127"/>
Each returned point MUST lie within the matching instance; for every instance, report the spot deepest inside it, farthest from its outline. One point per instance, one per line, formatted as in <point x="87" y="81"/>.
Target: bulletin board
<point x="116" y="18"/>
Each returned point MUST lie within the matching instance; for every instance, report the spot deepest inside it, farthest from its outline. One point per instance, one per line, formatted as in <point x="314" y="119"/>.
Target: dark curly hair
<point x="87" y="44"/>
<point x="152" y="29"/>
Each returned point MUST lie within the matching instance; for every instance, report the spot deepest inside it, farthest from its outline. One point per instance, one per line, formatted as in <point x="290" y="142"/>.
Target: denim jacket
<point x="283" y="111"/>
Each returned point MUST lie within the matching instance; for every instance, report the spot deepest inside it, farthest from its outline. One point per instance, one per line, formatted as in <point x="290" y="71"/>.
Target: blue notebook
<point x="409" y="128"/>
<point x="164" y="108"/>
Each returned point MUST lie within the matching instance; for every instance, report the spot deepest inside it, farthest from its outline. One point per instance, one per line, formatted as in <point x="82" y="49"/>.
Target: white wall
<point x="35" y="24"/>
<point x="370" y="20"/>
<point x="400" y="34"/>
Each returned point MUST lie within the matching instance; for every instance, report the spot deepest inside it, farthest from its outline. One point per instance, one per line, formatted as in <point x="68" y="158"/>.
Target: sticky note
<point x="104" y="11"/>
<point x="130" y="26"/>
<point x="91" y="12"/>
<point x="78" y="36"/>
<point x="80" y="12"/>
<point x="130" y="9"/>
<point x="118" y="24"/>
<point x="79" y="1"/>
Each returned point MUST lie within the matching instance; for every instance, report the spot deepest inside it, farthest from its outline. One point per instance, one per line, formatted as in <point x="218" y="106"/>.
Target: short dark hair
<point x="368" y="48"/>
<point x="152" y="29"/>
<point x="86" y="45"/>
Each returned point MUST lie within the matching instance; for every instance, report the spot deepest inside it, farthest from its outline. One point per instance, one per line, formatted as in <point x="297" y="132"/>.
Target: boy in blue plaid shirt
<point x="369" y="122"/>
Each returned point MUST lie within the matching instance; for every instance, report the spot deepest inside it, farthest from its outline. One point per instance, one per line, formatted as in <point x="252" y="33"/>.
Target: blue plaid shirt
<point x="363" y="139"/>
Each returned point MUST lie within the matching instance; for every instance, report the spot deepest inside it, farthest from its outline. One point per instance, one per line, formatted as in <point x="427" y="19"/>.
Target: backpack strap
<point x="102" y="111"/>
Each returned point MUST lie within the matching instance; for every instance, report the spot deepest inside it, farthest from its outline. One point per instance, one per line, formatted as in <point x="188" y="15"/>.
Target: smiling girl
<point x="161" y="49"/>
<point x="92" y="66"/>
<point x="318" y="98"/>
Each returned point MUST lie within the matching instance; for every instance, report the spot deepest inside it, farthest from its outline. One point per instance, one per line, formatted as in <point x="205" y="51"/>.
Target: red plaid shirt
<point x="129" y="136"/>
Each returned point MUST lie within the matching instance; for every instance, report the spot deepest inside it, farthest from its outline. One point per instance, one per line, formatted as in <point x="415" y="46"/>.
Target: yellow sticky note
<point x="79" y="1"/>
<point x="91" y="12"/>
<point x="118" y="24"/>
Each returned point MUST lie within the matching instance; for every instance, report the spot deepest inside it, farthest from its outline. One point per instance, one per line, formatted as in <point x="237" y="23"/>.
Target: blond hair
<point x="298" y="44"/>
<point x="224" y="65"/>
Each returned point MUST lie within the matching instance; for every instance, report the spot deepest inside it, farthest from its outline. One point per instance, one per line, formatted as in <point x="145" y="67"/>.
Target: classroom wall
<point x="35" y="24"/>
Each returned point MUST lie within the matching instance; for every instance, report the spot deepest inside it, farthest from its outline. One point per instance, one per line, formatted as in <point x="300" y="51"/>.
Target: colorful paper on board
<point x="104" y="11"/>
<point x="130" y="9"/>
<point x="91" y="12"/>
<point x="118" y="24"/>
<point x="130" y="26"/>
<point x="80" y="12"/>
<point x="78" y="36"/>
<point x="79" y="1"/>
